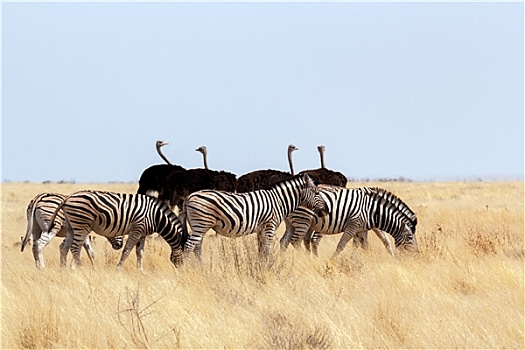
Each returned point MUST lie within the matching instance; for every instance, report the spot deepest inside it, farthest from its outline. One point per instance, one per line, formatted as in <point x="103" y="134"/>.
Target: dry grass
<point x="464" y="290"/>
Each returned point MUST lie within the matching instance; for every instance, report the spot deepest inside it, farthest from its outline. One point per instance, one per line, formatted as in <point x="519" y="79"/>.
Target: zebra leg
<point x="347" y="236"/>
<point x="64" y="249"/>
<point x="139" y="250"/>
<point x="193" y="244"/>
<point x="307" y="240"/>
<point x="132" y="241"/>
<point x="66" y="245"/>
<point x="265" y="237"/>
<point x="89" y="251"/>
<point x="78" y="242"/>
<point x="361" y="240"/>
<point x="285" y="239"/>
<point x="316" y="239"/>
<point x="198" y="249"/>
<point x="36" y="232"/>
<point x="299" y="234"/>
<point x="386" y="241"/>
<point x="38" y="247"/>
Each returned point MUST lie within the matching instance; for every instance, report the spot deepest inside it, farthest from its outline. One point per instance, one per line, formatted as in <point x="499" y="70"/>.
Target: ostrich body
<point x="180" y="184"/>
<point x="326" y="176"/>
<point x="265" y="179"/>
<point x="153" y="178"/>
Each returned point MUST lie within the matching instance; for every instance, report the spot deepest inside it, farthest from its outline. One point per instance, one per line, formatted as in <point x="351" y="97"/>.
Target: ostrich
<point x="153" y="178"/>
<point x="326" y="176"/>
<point x="264" y="179"/>
<point x="220" y="180"/>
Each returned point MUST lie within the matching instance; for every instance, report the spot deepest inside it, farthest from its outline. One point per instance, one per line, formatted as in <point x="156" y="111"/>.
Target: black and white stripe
<point x="353" y="212"/>
<point x="116" y="214"/>
<point x="304" y="219"/>
<point x="39" y="212"/>
<point x="238" y="214"/>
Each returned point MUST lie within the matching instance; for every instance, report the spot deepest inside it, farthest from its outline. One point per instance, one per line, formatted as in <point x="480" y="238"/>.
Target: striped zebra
<point x="353" y="212"/>
<point x="116" y="214"/>
<point x="304" y="218"/>
<point x="238" y="214"/>
<point x="39" y="212"/>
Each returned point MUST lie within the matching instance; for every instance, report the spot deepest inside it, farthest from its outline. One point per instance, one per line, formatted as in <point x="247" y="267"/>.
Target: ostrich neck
<point x="205" y="157"/>
<point x="321" y="154"/>
<point x="290" y="162"/>
<point x="163" y="156"/>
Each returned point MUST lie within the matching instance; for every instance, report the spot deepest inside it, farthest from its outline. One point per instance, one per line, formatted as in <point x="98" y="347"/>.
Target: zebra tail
<point x="29" y="227"/>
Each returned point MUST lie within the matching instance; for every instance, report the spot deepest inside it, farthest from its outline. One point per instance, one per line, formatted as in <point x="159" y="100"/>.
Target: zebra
<point x="304" y="217"/>
<point x="113" y="214"/>
<point x="238" y="214"/>
<point x="353" y="212"/>
<point x="39" y="212"/>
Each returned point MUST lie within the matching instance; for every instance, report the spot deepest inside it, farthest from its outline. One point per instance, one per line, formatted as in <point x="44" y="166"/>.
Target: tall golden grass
<point x="464" y="290"/>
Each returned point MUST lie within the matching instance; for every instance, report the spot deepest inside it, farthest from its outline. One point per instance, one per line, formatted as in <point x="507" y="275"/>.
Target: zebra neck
<point x="384" y="218"/>
<point x="287" y="200"/>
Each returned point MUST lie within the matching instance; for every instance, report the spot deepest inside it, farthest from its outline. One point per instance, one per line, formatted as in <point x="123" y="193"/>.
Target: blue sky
<point x="427" y="91"/>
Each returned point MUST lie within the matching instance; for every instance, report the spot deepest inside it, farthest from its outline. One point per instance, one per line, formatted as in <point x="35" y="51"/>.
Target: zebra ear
<point x="307" y="179"/>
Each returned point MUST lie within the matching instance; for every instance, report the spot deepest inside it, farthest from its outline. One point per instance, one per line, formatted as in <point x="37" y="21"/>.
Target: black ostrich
<point x="153" y="178"/>
<point x="326" y="176"/>
<point x="264" y="179"/>
<point x="220" y="180"/>
<point x="180" y="184"/>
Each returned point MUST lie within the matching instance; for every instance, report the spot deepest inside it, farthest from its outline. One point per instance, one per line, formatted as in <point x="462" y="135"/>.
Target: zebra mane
<point x="393" y="201"/>
<point x="293" y="179"/>
<point x="329" y="188"/>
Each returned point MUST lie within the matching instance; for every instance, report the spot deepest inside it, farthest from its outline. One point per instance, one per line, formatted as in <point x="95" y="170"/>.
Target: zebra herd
<point x="310" y="210"/>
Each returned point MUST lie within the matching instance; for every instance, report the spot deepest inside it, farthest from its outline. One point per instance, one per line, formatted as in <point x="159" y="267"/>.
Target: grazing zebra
<point x="39" y="212"/>
<point x="116" y="214"/>
<point x="353" y="212"/>
<point x="238" y="214"/>
<point x="305" y="218"/>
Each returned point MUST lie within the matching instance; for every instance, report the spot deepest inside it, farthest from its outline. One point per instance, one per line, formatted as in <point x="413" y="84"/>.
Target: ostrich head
<point x="202" y="149"/>
<point x="161" y="143"/>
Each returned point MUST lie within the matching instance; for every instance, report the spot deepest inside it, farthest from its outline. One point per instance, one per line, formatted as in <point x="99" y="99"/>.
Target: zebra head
<point x="311" y="198"/>
<point x="407" y="238"/>
<point x="116" y="242"/>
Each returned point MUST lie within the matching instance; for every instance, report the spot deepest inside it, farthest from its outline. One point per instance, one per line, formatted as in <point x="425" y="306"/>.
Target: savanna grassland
<point x="465" y="289"/>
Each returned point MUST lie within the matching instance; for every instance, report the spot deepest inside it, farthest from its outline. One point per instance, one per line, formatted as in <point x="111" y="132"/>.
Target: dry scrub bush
<point x="283" y="333"/>
<point x="131" y="317"/>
